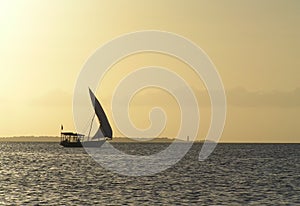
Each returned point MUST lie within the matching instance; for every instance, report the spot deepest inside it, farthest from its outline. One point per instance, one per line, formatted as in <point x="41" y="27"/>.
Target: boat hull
<point x="93" y="143"/>
<point x="82" y="144"/>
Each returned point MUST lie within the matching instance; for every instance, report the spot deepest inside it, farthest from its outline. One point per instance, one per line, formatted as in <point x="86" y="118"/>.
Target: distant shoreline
<point x="121" y="139"/>
<point x="30" y="139"/>
<point x="57" y="139"/>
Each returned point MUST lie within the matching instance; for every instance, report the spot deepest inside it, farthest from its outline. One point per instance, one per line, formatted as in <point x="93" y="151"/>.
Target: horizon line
<point x="24" y="137"/>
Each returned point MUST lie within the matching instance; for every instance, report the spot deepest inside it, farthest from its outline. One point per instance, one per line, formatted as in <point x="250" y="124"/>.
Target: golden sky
<point x="254" y="44"/>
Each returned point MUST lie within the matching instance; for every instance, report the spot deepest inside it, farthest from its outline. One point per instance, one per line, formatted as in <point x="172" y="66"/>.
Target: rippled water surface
<point x="235" y="174"/>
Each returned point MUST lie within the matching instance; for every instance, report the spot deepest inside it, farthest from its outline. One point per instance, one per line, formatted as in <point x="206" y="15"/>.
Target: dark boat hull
<point x="82" y="144"/>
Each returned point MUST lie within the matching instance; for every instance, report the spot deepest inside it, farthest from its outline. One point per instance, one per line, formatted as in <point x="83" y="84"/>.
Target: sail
<point x="105" y="127"/>
<point x="99" y="134"/>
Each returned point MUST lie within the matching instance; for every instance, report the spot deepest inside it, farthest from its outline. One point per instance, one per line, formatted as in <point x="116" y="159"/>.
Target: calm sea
<point x="235" y="174"/>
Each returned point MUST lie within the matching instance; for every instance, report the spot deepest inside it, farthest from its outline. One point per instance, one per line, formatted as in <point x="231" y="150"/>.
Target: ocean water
<point x="235" y="174"/>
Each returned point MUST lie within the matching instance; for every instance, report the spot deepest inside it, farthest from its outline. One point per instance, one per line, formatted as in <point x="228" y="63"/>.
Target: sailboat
<point x="71" y="139"/>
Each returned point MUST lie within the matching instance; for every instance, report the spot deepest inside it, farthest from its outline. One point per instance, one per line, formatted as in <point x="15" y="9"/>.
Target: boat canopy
<point x="72" y="134"/>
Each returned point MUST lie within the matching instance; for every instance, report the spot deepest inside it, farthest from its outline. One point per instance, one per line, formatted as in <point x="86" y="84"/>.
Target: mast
<point x="91" y="127"/>
<point x="61" y="129"/>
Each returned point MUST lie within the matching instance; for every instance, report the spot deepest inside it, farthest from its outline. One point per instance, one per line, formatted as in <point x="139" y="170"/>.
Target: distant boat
<point x="71" y="139"/>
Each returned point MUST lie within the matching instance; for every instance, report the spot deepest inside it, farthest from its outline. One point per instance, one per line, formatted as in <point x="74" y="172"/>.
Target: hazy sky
<point x="255" y="45"/>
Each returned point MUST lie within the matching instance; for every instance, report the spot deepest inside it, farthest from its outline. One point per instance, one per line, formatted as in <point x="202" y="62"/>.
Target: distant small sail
<point x="105" y="127"/>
